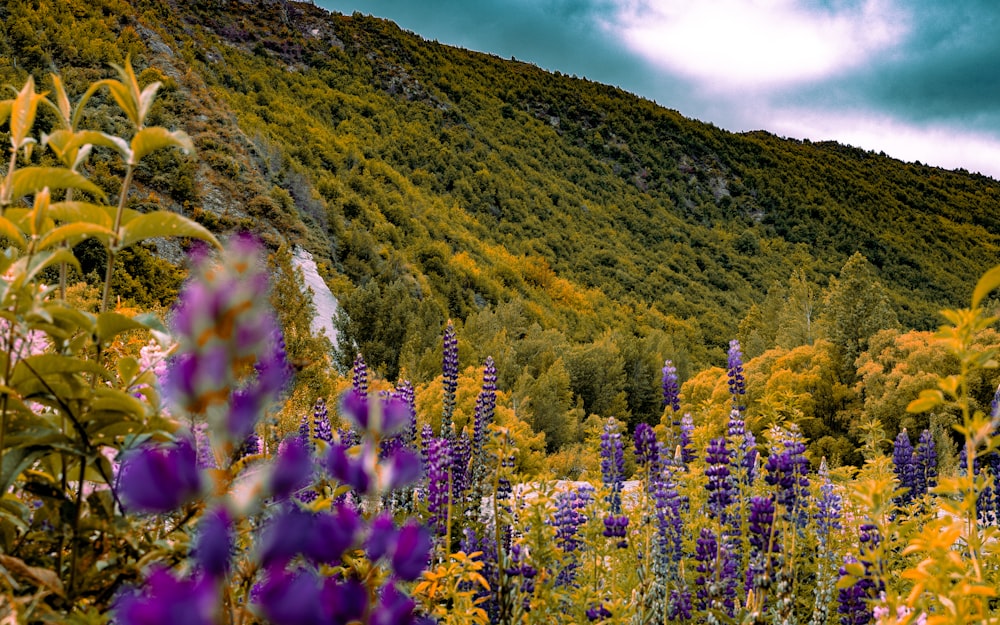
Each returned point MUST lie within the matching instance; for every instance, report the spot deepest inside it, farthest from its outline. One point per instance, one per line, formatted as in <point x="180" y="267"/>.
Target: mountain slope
<point x="458" y="181"/>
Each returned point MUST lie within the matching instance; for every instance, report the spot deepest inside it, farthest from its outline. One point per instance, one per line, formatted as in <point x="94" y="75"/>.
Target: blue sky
<point x="917" y="79"/>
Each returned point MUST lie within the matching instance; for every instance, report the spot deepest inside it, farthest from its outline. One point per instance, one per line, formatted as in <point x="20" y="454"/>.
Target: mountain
<point x="540" y="211"/>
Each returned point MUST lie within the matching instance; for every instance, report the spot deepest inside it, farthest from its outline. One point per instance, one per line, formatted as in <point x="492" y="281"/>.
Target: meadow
<point x="149" y="473"/>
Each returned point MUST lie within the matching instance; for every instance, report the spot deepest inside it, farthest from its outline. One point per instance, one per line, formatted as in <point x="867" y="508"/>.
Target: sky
<point x="916" y="79"/>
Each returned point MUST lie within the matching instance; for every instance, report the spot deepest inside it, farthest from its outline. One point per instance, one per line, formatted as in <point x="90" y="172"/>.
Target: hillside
<point x="552" y="217"/>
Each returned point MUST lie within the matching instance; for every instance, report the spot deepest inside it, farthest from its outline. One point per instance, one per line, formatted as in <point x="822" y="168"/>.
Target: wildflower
<point x="616" y="527"/>
<point x="647" y="452"/>
<point x="734" y="371"/>
<point x="214" y="543"/>
<point x="903" y="466"/>
<point x="382" y="417"/>
<point x="294" y="598"/>
<point x="686" y="438"/>
<point x="359" y="377"/>
<point x="925" y="464"/>
<point x="393" y="608"/>
<point x="166" y="600"/>
<point x="293" y="468"/>
<point x="671" y="387"/>
<point x="348" y="468"/>
<point x="786" y="471"/>
<point x="598" y="612"/>
<point x="721" y="489"/>
<point x="160" y="478"/>
<point x="613" y="463"/>
<point x="438" y="483"/>
<point x="449" y="370"/>
<point x="321" y="422"/>
<point x="412" y="551"/>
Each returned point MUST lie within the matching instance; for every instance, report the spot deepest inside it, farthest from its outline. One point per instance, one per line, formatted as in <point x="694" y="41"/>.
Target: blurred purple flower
<point x="291" y="598"/>
<point x="213" y="547"/>
<point x="393" y="608"/>
<point x="160" y="478"/>
<point x="166" y="600"/>
<point x="348" y="468"/>
<point x="292" y="469"/>
<point x="412" y="551"/>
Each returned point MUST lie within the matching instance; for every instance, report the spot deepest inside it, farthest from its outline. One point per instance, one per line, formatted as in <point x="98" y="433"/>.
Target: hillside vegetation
<point x="576" y="233"/>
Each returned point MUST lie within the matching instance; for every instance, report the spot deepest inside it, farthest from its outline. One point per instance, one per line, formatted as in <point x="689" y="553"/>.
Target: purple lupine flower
<point x="598" y="612"/>
<point x="404" y="392"/>
<point x="764" y="541"/>
<point x="744" y="443"/>
<point x="449" y="370"/>
<point x="380" y="416"/>
<point x="522" y="569"/>
<point x="687" y="439"/>
<point x="304" y="432"/>
<point x="223" y="324"/>
<point x="321" y="422"/>
<point x="647" y="450"/>
<point x="461" y="453"/>
<point x="734" y="371"/>
<point x="903" y="466"/>
<point x="213" y="547"/>
<point x="294" y="597"/>
<point x="617" y="527"/>
<point x="671" y="387"/>
<point x="613" y="463"/>
<point x="160" y="478"/>
<point x="716" y="579"/>
<point x="679" y="607"/>
<point x="293" y="468"/>
<point x="166" y="600"/>
<point x="359" y="376"/>
<point x="925" y="456"/>
<point x="721" y="487"/>
<point x="786" y="472"/>
<point x="393" y="608"/>
<point x="853" y="600"/>
<point x="437" y="465"/>
<point x="567" y="520"/>
<point x="670" y="524"/>
<point x="486" y="544"/>
<point x="486" y="404"/>
<point x="348" y="468"/>
<point x="828" y="505"/>
<point x="412" y="551"/>
<point x="320" y="537"/>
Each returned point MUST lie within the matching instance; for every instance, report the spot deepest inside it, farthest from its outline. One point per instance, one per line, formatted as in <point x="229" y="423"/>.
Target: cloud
<point x="944" y="145"/>
<point x="724" y="45"/>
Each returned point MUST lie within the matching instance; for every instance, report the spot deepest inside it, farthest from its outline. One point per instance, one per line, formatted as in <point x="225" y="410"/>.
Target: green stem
<point x="114" y="242"/>
<point x="75" y="557"/>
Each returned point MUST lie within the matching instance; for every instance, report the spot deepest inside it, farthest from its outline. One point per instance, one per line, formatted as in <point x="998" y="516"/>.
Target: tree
<point x="856" y="307"/>
<point x="548" y="401"/>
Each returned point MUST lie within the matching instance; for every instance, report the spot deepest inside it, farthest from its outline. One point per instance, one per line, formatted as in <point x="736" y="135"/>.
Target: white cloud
<point x="939" y="145"/>
<point x="728" y="45"/>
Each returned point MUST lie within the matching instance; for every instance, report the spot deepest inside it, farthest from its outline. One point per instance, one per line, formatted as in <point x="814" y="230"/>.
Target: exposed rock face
<point x="323" y="298"/>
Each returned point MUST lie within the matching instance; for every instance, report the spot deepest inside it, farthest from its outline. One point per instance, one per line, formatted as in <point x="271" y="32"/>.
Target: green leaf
<point x="986" y="284"/>
<point x="22" y="113"/>
<point x="5" y="108"/>
<point x="47" y="258"/>
<point x="31" y="180"/>
<point x="15" y="461"/>
<point x="99" y="214"/>
<point x="75" y="233"/>
<point x="149" y="140"/>
<point x="163" y="224"/>
<point x="11" y="232"/>
<point x="929" y="399"/>
<point x="111" y="324"/>
<point x="126" y="101"/>
<point x="46" y="365"/>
